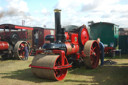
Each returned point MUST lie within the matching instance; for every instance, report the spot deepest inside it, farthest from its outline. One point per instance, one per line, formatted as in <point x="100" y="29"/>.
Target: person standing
<point x="101" y="51"/>
<point x="36" y="38"/>
<point x="26" y="51"/>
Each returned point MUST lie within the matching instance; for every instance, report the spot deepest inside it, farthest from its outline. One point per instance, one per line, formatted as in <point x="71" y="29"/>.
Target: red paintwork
<point x="108" y="49"/>
<point x="14" y="27"/>
<point x="66" y="35"/>
<point x="64" y="64"/>
<point x="84" y="36"/>
<point x="42" y="34"/>
<point x="54" y="68"/>
<point x="75" y="49"/>
<point x="78" y="56"/>
<point x="70" y="49"/>
<point x="93" y="52"/>
<point x="38" y="51"/>
<point x="62" y="54"/>
<point x="22" y="27"/>
<point x="4" y="45"/>
<point x="74" y="38"/>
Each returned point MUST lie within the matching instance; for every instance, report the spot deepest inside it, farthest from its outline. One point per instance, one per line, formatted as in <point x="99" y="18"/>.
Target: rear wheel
<point x="92" y="52"/>
<point x="19" y="52"/>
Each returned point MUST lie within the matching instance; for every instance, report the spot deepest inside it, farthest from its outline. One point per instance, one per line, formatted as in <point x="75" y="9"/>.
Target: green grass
<point x="123" y="56"/>
<point x="16" y="72"/>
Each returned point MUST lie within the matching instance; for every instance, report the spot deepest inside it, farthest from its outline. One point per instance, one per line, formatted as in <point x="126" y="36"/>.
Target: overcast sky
<point x="74" y="12"/>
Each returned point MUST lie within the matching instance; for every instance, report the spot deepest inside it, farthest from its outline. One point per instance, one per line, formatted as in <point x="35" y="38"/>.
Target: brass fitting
<point x="57" y="10"/>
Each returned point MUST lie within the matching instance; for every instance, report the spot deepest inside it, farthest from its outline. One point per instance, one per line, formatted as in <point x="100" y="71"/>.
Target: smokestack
<point x="57" y="25"/>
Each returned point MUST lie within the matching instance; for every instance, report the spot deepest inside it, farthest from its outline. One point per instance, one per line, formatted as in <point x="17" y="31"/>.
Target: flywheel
<point x="83" y="35"/>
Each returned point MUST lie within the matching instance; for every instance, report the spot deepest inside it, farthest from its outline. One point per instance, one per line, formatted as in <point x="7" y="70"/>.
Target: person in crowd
<point x="26" y="52"/>
<point x="36" y="38"/>
<point x="101" y="51"/>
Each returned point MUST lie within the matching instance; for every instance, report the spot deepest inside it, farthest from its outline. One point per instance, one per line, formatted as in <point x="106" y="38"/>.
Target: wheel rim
<point x="19" y="51"/>
<point x="92" y="52"/>
<point x="83" y="35"/>
<point x="94" y="55"/>
<point x="60" y="73"/>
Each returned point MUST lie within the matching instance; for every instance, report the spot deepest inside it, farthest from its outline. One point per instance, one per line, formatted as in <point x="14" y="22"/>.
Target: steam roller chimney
<point x="58" y="30"/>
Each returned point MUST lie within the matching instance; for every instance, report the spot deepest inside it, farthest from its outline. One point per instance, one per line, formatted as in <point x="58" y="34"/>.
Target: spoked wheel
<point x="60" y="73"/>
<point x="49" y="61"/>
<point x="92" y="52"/>
<point x="19" y="51"/>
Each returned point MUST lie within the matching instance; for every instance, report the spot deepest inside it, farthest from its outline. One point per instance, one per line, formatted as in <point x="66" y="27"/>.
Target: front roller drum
<point x="48" y="62"/>
<point x="92" y="52"/>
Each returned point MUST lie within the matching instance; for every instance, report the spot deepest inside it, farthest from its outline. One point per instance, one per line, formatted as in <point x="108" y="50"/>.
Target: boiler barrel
<point x="4" y="45"/>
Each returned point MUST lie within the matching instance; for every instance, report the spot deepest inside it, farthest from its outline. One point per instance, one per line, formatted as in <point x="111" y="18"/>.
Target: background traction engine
<point x="12" y="41"/>
<point x="72" y="47"/>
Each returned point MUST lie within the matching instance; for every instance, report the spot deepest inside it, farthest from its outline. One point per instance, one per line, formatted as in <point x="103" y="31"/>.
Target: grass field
<point x="17" y="72"/>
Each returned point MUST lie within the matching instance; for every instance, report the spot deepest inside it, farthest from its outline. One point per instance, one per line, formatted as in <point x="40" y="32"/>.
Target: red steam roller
<point x="70" y="47"/>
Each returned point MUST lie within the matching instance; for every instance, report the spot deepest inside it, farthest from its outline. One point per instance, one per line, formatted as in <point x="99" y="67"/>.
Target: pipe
<point x="58" y="34"/>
